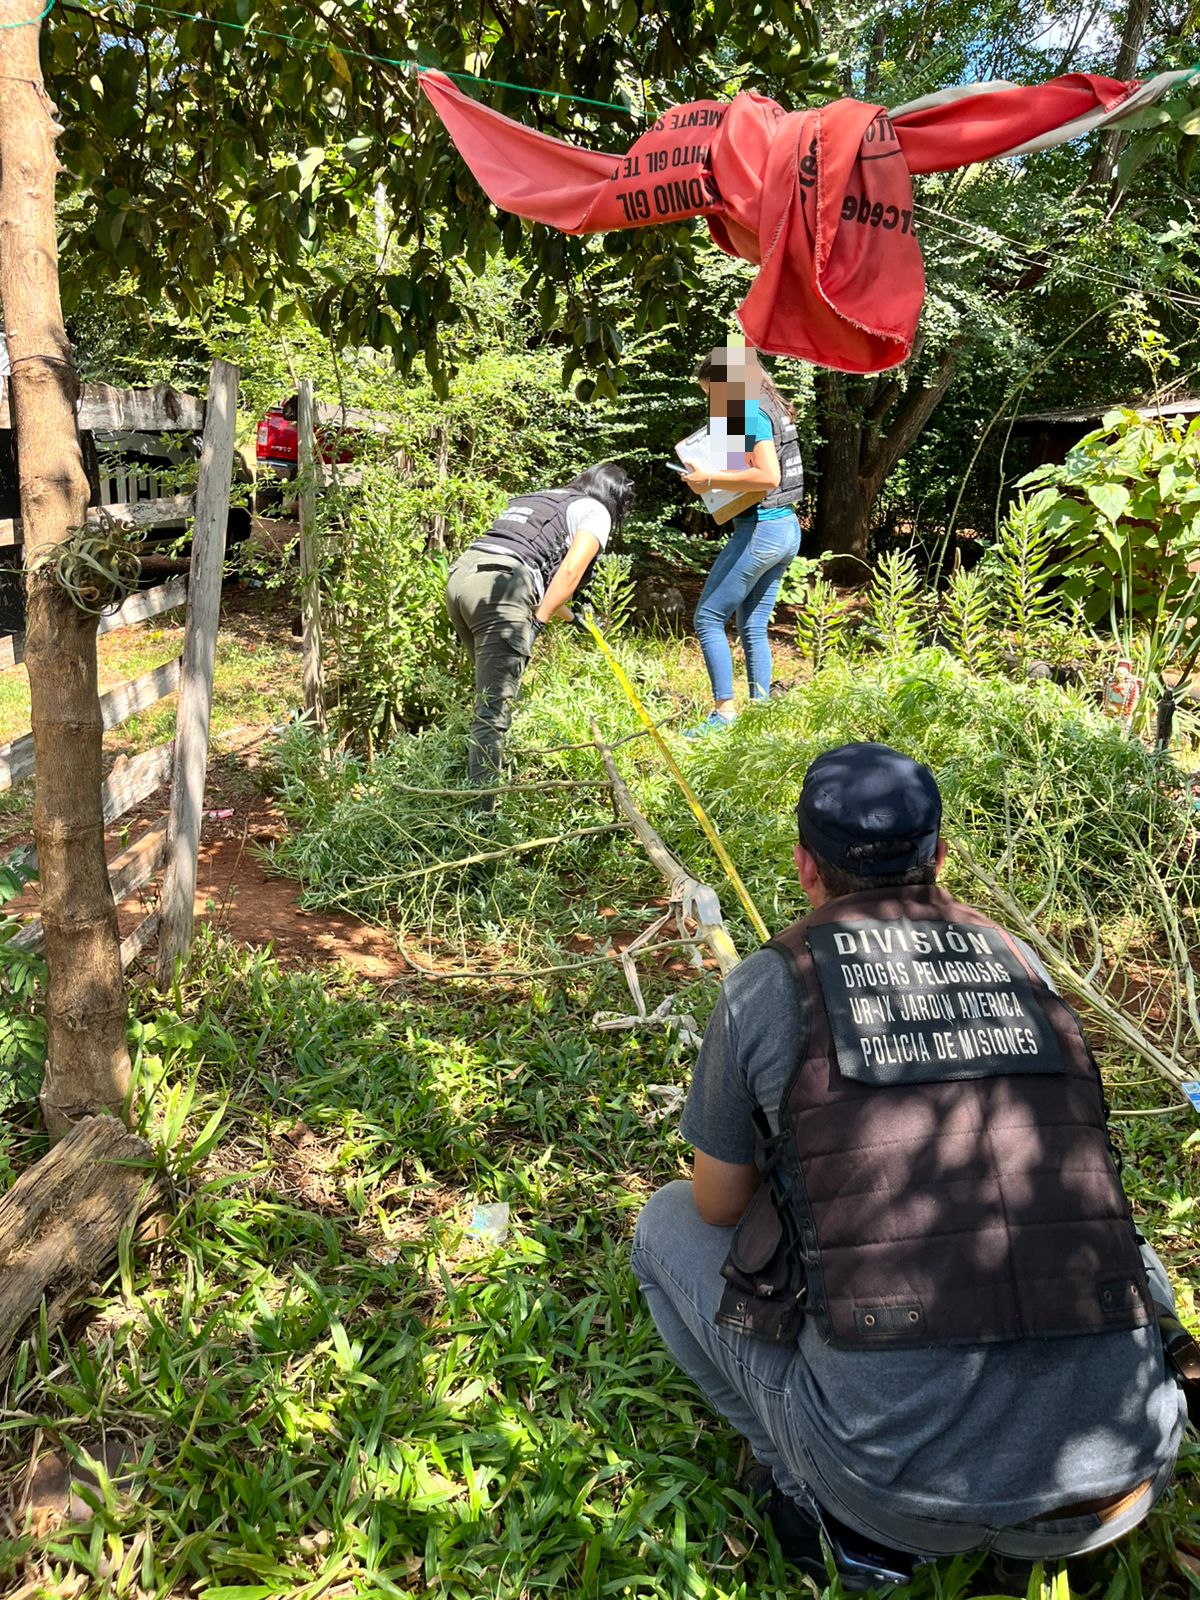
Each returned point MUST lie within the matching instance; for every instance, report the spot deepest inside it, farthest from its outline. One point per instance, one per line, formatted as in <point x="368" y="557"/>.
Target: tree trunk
<point x="87" y="1069"/>
<point x="856" y="454"/>
<point x="843" y="511"/>
<point x="1108" y="144"/>
<point x="61" y="1222"/>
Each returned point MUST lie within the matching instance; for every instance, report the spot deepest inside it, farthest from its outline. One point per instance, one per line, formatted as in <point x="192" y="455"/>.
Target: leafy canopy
<point x="215" y="154"/>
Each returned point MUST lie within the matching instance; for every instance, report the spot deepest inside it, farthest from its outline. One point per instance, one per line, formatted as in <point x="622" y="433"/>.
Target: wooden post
<point x="310" y="566"/>
<point x="196" y="671"/>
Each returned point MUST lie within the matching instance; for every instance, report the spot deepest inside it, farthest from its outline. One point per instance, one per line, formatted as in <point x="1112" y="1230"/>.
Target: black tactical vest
<point x="942" y="1172"/>
<point x="791" y="465"/>
<point x="533" y="527"/>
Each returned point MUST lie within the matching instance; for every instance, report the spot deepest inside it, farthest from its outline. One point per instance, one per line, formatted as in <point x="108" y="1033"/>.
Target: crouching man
<point x="904" y="1267"/>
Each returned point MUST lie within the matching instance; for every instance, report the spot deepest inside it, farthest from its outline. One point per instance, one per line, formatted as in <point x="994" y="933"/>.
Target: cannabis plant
<point x="896" y="604"/>
<point x="966" y="620"/>
<point x="1025" y="559"/>
<point x="822" y="619"/>
<point x="610" y="591"/>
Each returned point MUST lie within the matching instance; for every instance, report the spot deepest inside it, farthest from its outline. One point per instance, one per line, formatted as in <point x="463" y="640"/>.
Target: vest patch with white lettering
<point x="927" y="1002"/>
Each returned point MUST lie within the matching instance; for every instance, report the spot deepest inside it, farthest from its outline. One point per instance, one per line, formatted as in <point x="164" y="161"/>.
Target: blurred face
<point x="737" y="378"/>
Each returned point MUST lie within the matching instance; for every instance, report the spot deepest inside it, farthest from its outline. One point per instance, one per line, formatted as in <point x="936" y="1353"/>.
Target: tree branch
<point x="918" y="406"/>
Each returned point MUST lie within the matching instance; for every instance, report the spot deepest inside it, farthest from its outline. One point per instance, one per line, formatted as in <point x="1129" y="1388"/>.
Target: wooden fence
<point x="173" y="846"/>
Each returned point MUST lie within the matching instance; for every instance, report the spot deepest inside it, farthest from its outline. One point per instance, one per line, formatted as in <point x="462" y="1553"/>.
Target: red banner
<point x="821" y="200"/>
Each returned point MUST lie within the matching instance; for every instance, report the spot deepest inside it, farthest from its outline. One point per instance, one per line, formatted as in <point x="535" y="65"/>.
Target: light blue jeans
<point x="744" y="584"/>
<point x="677" y="1261"/>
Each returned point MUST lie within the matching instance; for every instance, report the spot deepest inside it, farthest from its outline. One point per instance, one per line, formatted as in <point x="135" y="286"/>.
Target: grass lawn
<point x="325" y="1388"/>
<point x="256" y="682"/>
<point x="256" y="678"/>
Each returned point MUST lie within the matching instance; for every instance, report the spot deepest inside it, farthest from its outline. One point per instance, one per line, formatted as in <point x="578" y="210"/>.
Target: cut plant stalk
<point x="1113" y="1018"/>
<point x="688" y="896"/>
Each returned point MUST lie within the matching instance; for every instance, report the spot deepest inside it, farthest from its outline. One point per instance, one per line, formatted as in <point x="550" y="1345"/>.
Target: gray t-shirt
<point x="1003" y="1431"/>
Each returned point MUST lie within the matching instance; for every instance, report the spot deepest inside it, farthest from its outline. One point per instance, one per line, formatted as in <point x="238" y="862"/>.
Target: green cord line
<point x="362" y="55"/>
<point x="30" y="22"/>
<point x="345" y="50"/>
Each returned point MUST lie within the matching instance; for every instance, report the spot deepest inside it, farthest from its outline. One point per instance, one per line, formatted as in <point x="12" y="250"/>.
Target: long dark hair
<point x="713" y="370"/>
<point x="611" y="485"/>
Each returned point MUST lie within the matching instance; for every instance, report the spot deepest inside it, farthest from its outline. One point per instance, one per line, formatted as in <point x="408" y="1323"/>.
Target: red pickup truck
<point x="338" y="433"/>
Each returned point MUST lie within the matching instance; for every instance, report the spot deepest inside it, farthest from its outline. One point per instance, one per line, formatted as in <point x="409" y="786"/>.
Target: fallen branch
<point x="529" y="975"/>
<point x="1113" y="1018"/>
<point x="498" y="855"/>
<point x="626" y="738"/>
<point x="468" y="795"/>
<point x="692" y="898"/>
<point x="61" y="1222"/>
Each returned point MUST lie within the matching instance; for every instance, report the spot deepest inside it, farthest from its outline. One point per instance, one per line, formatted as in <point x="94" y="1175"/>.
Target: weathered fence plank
<point x="160" y="409"/>
<point x="129" y="513"/>
<point x="147" y="603"/>
<point x="127" y="872"/>
<point x="139" y="607"/>
<point x="130" y="781"/>
<point x="16" y="759"/>
<point x="199" y="654"/>
<point x="134" y="943"/>
<point x="118" y="705"/>
<point x="138" y="863"/>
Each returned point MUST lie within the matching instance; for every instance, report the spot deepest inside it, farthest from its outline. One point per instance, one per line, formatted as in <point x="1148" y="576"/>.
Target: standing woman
<point x="763" y="542"/>
<point x="507" y="586"/>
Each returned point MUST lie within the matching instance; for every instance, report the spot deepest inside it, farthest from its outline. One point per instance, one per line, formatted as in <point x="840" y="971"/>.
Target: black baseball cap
<point x="870" y="810"/>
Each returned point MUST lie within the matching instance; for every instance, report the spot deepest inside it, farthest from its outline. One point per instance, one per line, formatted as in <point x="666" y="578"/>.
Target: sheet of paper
<point x="714" y="451"/>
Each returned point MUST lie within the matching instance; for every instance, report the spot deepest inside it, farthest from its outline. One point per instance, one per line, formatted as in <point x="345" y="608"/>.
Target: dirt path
<point x="236" y="892"/>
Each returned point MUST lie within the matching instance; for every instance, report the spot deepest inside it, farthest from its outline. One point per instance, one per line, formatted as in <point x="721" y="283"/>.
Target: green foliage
<point x="446" y="470"/>
<point x="371" y="841"/>
<point x="1125" y="507"/>
<point x="22" y="1025"/>
<point x="327" y="1383"/>
<point x="822" y="621"/>
<point x="1169" y="129"/>
<point x="393" y="644"/>
<point x="896" y="604"/>
<point x="793" y="587"/>
<point x="1024" y="562"/>
<point x="967" y="619"/>
<point x="206" y="158"/>
<point x="658" y="543"/>
<point x="610" y="591"/>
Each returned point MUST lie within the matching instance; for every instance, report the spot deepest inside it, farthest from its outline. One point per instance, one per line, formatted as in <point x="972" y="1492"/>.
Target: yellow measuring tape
<point x="710" y="833"/>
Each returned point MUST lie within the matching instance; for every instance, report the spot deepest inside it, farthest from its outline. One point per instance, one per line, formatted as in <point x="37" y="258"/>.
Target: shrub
<point x="1124" y="511"/>
<point x="393" y="642"/>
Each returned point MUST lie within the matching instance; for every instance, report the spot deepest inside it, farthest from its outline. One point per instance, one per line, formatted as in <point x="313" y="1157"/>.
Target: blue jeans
<point x="677" y="1261"/>
<point x="744" y="584"/>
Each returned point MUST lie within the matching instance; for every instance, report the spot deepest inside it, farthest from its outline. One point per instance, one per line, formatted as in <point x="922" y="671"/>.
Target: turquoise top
<point x="758" y="428"/>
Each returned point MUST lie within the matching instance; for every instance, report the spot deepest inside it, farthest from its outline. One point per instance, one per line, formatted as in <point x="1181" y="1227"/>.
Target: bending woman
<point x="507" y="586"/>
<point x="763" y="542"/>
